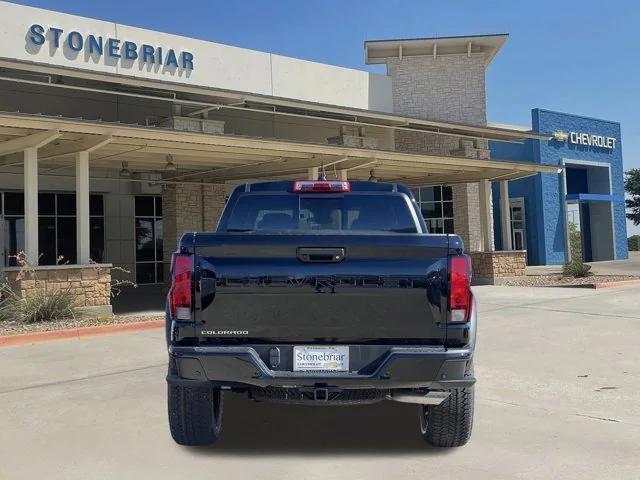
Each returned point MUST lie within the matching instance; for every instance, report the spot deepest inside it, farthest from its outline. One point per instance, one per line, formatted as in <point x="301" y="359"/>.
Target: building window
<point x="148" y="224"/>
<point x="56" y="227"/>
<point x="436" y="205"/>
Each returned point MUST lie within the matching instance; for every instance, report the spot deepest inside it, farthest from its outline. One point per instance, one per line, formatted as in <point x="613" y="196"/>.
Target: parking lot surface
<point x="558" y="396"/>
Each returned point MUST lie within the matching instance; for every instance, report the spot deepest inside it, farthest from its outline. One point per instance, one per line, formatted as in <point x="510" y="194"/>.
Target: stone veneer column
<point x="448" y="88"/>
<point x="189" y="208"/>
<point x="466" y="215"/>
<point x="215" y="198"/>
<point x="493" y="268"/>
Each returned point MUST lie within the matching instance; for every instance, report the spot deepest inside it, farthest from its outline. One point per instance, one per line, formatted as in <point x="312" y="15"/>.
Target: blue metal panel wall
<point x="543" y="201"/>
<point x="525" y="188"/>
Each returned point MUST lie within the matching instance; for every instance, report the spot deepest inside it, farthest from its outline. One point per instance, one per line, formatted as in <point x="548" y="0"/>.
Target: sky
<point x="579" y="57"/>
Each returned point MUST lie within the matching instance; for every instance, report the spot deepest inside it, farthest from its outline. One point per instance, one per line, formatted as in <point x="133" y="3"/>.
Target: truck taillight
<point x="460" y="288"/>
<point x="180" y="293"/>
<point x="316" y="186"/>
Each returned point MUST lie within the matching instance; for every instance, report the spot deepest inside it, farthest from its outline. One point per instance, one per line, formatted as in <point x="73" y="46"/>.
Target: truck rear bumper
<point x="373" y="366"/>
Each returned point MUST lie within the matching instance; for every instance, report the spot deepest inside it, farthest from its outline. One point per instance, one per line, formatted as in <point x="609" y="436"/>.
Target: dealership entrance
<point x="589" y="211"/>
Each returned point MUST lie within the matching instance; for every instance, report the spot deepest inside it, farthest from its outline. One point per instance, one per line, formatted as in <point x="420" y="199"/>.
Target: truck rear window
<point x="272" y="212"/>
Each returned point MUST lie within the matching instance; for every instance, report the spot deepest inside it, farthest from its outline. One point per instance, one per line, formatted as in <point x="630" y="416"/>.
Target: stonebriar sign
<point x="97" y="45"/>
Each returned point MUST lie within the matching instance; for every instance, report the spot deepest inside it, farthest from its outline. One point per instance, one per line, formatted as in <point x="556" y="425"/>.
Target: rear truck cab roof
<point x="357" y="187"/>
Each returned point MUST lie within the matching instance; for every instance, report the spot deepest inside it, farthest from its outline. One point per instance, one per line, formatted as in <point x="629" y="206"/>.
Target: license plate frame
<point x="321" y="358"/>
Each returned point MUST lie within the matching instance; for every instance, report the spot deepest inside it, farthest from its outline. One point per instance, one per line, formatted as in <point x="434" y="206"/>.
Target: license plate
<point x="315" y="358"/>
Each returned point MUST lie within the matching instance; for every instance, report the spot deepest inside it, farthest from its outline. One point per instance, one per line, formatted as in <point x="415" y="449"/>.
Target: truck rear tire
<point x="448" y="424"/>
<point x="195" y="414"/>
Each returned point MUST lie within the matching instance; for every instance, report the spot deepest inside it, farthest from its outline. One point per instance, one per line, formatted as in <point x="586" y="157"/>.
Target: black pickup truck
<point x="321" y="293"/>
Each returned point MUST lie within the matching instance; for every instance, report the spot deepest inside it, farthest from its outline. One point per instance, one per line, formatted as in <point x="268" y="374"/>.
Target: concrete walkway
<point x="558" y="397"/>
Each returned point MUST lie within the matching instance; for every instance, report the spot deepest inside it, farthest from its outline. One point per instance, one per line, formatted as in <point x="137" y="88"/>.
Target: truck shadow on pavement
<point x="262" y="428"/>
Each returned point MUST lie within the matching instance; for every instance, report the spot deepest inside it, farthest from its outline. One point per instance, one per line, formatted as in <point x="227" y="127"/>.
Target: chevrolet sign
<point x="590" y="140"/>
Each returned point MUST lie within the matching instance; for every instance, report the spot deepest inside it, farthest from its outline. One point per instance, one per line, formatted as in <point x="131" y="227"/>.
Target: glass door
<point x="518" y="225"/>
<point x="149" y="236"/>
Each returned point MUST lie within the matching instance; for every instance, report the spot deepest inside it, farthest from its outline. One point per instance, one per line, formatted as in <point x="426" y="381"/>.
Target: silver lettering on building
<point x="591" y="140"/>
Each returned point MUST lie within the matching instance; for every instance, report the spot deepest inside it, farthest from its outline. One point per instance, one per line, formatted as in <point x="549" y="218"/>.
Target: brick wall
<point x="490" y="267"/>
<point x="214" y="200"/>
<point x="448" y="88"/>
<point x="189" y="208"/>
<point x="90" y="285"/>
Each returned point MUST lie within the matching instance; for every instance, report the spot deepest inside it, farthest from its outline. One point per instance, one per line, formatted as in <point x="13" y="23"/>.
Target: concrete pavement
<point x="558" y="396"/>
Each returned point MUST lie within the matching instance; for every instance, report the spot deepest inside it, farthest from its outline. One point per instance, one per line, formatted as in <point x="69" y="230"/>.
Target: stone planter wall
<point x="489" y="268"/>
<point x="90" y="284"/>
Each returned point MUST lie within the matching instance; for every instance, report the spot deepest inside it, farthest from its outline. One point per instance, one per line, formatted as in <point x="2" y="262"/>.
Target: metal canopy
<point x="197" y="100"/>
<point x="220" y="158"/>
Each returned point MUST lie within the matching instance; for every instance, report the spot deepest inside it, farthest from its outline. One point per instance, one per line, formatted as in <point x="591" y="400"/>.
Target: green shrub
<point x="576" y="269"/>
<point x="634" y="243"/>
<point x="38" y="306"/>
<point x="575" y="242"/>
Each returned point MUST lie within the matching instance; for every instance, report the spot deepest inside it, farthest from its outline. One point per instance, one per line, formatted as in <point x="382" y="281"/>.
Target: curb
<point x="38" y="337"/>
<point x="619" y="283"/>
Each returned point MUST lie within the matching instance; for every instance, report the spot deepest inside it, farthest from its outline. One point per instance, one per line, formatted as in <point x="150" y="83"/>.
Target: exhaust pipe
<point x="430" y="398"/>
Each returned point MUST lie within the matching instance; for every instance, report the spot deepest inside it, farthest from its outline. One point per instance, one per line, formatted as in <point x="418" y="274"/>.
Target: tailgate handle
<point x="320" y="255"/>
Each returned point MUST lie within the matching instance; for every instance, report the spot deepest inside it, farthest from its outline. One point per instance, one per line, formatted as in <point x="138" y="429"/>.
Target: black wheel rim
<point x="424" y="412"/>
<point x="217" y="410"/>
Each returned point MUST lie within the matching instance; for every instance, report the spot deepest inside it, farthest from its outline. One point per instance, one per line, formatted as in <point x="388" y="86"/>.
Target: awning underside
<point x="231" y="158"/>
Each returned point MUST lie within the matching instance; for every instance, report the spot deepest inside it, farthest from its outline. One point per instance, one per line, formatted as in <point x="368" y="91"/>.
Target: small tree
<point x="632" y="186"/>
<point x="575" y="243"/>
<point x="634" y="243"/>
<point x="576" y="266"/>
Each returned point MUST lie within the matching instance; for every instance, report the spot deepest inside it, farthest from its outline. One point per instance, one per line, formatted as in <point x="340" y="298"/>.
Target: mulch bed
<point x="16" y="328"/>
<point x="562" y="281"/>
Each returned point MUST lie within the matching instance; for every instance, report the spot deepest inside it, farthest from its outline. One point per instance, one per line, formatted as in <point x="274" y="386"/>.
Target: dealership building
<point x="114" y="140"/>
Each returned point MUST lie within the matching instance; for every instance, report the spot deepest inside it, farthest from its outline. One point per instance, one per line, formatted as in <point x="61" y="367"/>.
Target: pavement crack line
<point x="558" y="310"/>
<point x="604" y="419"/>
<point x="73" y="380"/>
<point x="536" y="306"/>
<point x="554" y="411"/>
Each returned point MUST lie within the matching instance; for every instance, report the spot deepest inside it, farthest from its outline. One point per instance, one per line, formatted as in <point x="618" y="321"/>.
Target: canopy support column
<point x="31" y="247"/>
<point x="486" y="224"/>
<point x="505" y="215"/>
<point x="82" y="209"/>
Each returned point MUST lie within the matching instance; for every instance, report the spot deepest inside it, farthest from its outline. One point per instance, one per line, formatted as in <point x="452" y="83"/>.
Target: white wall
<point x="215" y="65"/>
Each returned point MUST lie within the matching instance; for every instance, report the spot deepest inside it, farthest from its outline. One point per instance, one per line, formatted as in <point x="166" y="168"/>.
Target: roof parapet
<point x="378" y="51"/>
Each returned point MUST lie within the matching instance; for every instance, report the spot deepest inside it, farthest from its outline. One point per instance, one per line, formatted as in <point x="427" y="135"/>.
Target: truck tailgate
<point x="321" y="288"/>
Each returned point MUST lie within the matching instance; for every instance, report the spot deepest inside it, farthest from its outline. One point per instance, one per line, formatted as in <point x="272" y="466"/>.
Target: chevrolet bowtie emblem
<point x="560" y="136"/>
